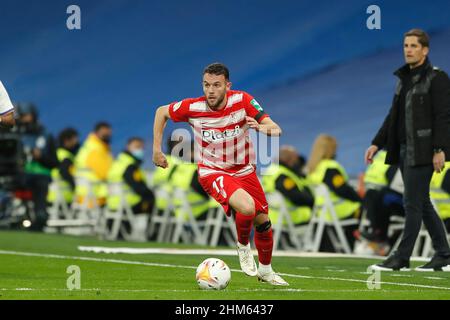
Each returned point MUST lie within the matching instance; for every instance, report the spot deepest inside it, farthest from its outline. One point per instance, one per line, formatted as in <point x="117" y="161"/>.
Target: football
<point x="213" y="274"/>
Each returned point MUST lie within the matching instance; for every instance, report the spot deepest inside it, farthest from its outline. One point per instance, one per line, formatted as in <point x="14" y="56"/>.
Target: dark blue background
<point x="313" y="65"/>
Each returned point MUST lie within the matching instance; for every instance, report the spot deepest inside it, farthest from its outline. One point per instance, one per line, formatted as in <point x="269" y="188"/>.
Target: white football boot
<point x="246" y="260"/>
<point x="272" y="278"/>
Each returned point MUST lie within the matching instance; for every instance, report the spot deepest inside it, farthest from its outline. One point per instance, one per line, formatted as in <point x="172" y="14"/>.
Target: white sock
<point x="265" y="268"/>
<point x="241" y="246"/>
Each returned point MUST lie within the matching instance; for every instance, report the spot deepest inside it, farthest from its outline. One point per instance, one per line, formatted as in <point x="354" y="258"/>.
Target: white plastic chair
<point x="284" y="222"/>
<point x="319" y="221"/>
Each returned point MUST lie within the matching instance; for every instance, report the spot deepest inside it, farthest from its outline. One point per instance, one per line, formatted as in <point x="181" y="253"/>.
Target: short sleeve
<point x="253" y="108"/>
<point x="5" y="103"/>
<point x="179" y="111"/>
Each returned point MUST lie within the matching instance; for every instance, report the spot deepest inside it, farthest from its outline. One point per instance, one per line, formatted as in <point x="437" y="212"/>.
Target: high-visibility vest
<point x="344" y="208"/>
<point x="299" y="214"/>
<point x="160" y="179"/>
<point x="375" y="176"/>
<point x="440" y="197"/>
<point x="82" y="170"/>
<point x="182" y="178"/>
<point x="115" y="176"/>
<point x="66" y="189"/>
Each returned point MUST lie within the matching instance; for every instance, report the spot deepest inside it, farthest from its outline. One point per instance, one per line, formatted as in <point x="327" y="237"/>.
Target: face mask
<point x="106" y="139"/>
<point x="138" y="154"/>
<point x="75" y="148"/>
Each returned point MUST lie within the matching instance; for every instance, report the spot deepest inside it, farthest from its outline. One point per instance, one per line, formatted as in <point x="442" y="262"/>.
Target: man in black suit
<point x="416" y="135"/>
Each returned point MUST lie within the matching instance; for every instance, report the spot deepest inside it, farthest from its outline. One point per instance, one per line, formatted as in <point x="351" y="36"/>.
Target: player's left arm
<point x="6" y="109"/>
<point x="7" y="120"/>
<point x="266" y="126"/>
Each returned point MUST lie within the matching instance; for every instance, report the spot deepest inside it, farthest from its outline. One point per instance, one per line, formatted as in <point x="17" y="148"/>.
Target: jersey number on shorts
<point x="221" y="190"/>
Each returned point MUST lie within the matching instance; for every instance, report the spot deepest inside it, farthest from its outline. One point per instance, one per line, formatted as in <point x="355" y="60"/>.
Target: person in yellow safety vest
<point x="93" y="162"/>
<point x="161" y="177"/>
<point x="323" y="168"/>
<point x="126" y="169"/>
<point x="440" y="194"/>
<point x="380" y="202"/>
<point x="185" y="177"/>
<point x="68" y="147"/>
<point x="286" y="177"/>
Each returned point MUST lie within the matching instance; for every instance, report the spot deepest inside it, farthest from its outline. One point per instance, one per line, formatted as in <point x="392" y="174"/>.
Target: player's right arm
<point x="161" y="117"/>
<point x="177" y="112"/>
<point x="6" y="109"/>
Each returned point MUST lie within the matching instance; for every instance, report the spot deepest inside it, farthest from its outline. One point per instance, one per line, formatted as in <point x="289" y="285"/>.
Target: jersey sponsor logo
<point x="256" y="105"/>
<point x="215" y="136"/>
<point x="176" y="106"/>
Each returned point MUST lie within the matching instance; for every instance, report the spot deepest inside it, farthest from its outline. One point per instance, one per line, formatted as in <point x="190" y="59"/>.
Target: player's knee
<point x="248" y="206"/>
<point x="263" y="227"/>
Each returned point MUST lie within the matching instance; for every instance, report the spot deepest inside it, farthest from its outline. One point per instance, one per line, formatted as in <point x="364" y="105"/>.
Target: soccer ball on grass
<point x="213" y="274"/>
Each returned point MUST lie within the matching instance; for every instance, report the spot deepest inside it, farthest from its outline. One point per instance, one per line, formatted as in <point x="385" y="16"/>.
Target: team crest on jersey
<point x="176" y="106"/>
<point x="256" y="105"/>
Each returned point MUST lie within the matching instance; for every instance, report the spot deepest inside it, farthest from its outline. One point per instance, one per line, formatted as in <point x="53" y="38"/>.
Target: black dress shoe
<point x="393" y="263"/>
<point x="437" y="263"/>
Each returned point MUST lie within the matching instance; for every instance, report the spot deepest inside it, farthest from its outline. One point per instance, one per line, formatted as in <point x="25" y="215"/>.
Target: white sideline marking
<point x="224" y="252"/>
<point x="434" y="278"/>
<point x="198" y="290"/>
<point x="55" y="256"/>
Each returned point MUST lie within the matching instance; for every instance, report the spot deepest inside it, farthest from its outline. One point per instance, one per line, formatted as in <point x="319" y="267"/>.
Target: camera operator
<point x="40" y="152"/>
<point x="6" y="108"/>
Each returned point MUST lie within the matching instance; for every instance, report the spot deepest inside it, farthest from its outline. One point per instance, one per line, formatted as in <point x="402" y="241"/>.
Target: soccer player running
<point x="220" y="120"/>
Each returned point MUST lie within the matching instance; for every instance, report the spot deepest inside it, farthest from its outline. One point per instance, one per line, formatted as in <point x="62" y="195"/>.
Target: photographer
<point x="40" y="153"/>
<point x="6" y="108"/>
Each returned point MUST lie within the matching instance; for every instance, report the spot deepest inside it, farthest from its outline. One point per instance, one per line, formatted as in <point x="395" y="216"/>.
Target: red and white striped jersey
<point x="221" y="136"/>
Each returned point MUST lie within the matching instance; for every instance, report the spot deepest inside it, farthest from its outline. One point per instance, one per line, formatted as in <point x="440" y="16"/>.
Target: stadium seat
<point x="218" y="223"/>
<point x="185" y="226"/>
<point x="284" y="223"/>
<point x="80" y="218"/>
<point x="159" y="226"/>
<point x="325" y="216"/>
<point x="59" y="208"/>
<point x="137" y="223"/>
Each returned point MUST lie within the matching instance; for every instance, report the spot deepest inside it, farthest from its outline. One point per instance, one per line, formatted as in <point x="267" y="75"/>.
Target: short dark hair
<point x="218" y="69"/>
<point x="66" y="134"/>
<point x="421" y="35"/>
<point x="133" y="139"/>
<point x="101" y="125"/>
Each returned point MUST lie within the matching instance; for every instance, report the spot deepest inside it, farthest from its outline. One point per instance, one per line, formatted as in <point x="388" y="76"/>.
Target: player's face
<point x="215" y="88"/>
<point x="414" y="52"/>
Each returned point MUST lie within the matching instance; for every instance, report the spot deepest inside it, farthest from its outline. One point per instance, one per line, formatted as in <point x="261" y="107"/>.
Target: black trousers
<point x="418" y="207"/>
<point x="379" y="210"/>
<point x="38" y="184"/>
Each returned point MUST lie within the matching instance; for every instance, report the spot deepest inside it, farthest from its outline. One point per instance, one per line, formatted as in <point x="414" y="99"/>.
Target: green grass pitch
<point x="33" y="266"/>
